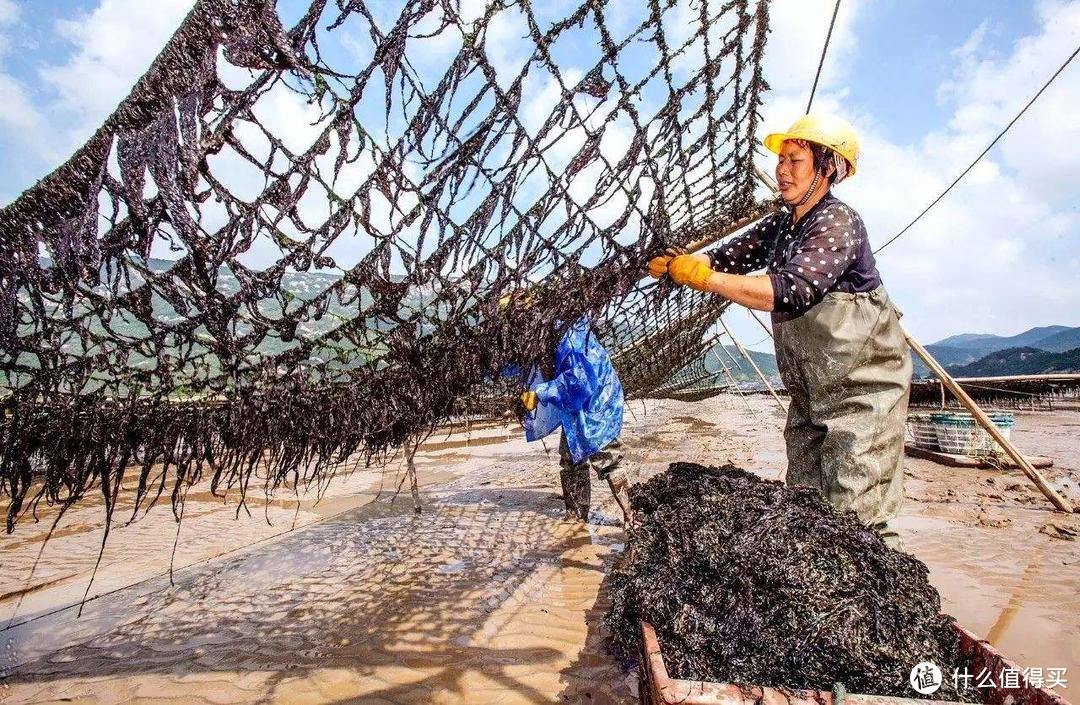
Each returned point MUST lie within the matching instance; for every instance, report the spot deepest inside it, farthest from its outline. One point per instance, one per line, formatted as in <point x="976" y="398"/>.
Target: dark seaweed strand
<point x="122" y="368"/>
<point x="750" y="582"/>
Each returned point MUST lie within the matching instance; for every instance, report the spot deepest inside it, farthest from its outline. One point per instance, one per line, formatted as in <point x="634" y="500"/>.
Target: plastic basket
<point x="958" y="433"/>
<point x="921" y="432"/>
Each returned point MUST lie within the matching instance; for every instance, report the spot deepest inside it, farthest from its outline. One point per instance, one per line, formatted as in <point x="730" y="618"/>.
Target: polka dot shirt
<point x="825" y="251"/>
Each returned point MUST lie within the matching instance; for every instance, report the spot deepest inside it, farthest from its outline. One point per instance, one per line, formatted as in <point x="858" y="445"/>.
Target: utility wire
<point x="984" y="152"/>
<point x="824" y="51"/>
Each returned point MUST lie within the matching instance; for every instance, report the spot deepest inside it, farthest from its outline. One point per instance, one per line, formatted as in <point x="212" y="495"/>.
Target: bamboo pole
<point x="1054" y="377"/>
<point x="767" y="180"/>
<point x="760" y="374"/>
<point x="729" y="229"/>
<point x="988" y="425"/>
<point x="735" y="384"/>
<point x="753" y="314"/>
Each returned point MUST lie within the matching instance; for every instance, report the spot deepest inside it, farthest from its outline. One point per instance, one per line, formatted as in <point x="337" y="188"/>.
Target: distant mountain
<point x="1060" y="342"/>
<point x="966" y="340"/>
<point x="1020" y="361"/>
<point x="968" y="348"/>
<point x="985" y="343"/>
<point x="948" y="355"/>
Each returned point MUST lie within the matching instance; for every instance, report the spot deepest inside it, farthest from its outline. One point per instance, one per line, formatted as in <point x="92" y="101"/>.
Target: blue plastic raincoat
<point x="585" y="397"/>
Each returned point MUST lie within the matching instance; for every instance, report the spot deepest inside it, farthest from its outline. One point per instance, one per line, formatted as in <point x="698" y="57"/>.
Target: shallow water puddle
<point x="481" y="596"/>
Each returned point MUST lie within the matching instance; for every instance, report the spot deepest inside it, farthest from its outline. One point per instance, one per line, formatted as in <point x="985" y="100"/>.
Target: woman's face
<point x="794" y="171"/>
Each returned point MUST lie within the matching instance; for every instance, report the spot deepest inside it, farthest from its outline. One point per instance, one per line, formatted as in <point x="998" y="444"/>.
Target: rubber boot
<point x="577" y="491"/>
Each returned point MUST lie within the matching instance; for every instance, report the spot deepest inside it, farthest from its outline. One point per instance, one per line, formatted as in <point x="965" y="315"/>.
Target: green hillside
<point x="1061" y="342"/>
<point x="1021" y="361"/>
<point x="970" y="348"/>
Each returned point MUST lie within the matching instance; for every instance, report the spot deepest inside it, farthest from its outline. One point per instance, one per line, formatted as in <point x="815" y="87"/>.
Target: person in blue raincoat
<point x="585" y="398"/>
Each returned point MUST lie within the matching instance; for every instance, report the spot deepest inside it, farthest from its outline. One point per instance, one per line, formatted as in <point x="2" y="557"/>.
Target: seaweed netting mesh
<point x="287" y="246"/>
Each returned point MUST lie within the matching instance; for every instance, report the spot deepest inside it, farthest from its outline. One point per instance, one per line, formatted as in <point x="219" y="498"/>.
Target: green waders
<point x="577" y="484"/>
<point x="847" y="367"/>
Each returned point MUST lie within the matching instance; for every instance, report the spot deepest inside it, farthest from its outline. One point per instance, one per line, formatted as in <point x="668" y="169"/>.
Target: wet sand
<point x="488" y="595"/>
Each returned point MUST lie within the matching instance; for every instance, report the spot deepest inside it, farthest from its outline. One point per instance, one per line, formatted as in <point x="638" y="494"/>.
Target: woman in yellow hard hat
<point x="839" y="346"/>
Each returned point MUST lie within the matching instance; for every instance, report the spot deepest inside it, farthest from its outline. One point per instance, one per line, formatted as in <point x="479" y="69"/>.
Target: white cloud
<point x="114" y="45"/>
<point x="989" y="90"/>
<point x="17" y="112"/>
<point x="794" y="46"/>
<point x="9" y="12"/>
<point x="19" y="117"/>
<point x="991" y="256"/>
<point x="9" y="15"/>
<point x="991" y="249"/>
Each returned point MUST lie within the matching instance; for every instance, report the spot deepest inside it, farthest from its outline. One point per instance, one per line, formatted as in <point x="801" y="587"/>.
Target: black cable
<point x="984" y="152"/>
<point x="821" y="61"/>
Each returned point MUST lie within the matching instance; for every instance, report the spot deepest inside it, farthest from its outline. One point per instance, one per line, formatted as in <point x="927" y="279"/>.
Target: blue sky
<point x="911" y="39"/>
<point x="927" y="84"/>
<point x="908" y="44"/>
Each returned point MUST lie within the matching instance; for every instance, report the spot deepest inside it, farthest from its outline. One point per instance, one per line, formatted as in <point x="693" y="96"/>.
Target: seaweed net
<point x="750" y="582"/>
<point x="287" y="245"/>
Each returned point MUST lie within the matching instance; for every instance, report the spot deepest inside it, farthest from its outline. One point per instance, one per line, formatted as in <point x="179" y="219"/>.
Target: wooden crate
<point x="658" y="688"/>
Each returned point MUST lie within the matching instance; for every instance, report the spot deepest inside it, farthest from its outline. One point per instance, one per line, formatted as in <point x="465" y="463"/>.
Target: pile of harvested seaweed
<point x="750" y="582"/>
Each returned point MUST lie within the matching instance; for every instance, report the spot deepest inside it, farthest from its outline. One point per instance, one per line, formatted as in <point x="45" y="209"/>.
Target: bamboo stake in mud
<point x="731" y="378"/>
<point x="413" y="487"/>
<point x="760" y="374"/>
<point x="984" y="421"/>
<point x="410" y="475"/>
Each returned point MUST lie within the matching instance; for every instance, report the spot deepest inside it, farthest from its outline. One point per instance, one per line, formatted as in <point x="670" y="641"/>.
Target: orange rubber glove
<point x="528" y="400"/>
<point x="690" y="271"/>
<point x="658" y="266"/>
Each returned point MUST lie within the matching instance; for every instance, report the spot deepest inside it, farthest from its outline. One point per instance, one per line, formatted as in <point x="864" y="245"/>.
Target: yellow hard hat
<point x="826" y="130"/>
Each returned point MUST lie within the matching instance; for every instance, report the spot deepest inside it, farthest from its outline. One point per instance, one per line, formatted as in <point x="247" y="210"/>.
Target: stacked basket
<point x="958" y="432"/>
<point x="921" y="432"/>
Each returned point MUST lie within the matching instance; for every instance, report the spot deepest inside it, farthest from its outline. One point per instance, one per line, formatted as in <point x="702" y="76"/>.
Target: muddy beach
<point x="488" y="595"/>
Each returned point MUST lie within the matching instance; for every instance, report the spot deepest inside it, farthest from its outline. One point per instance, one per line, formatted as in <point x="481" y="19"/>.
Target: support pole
<point x="731" y="378"/>
<point x="760" y="374"/>
<point x="733" y="227"/>
<point x="767" y="180"/>
<point x="989" y="426"/>
<point x="413" y="484"/>
<point x="753" y="314"/>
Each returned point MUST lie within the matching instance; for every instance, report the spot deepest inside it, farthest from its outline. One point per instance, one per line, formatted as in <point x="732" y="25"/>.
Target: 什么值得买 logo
<point x="925" y="678"/>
